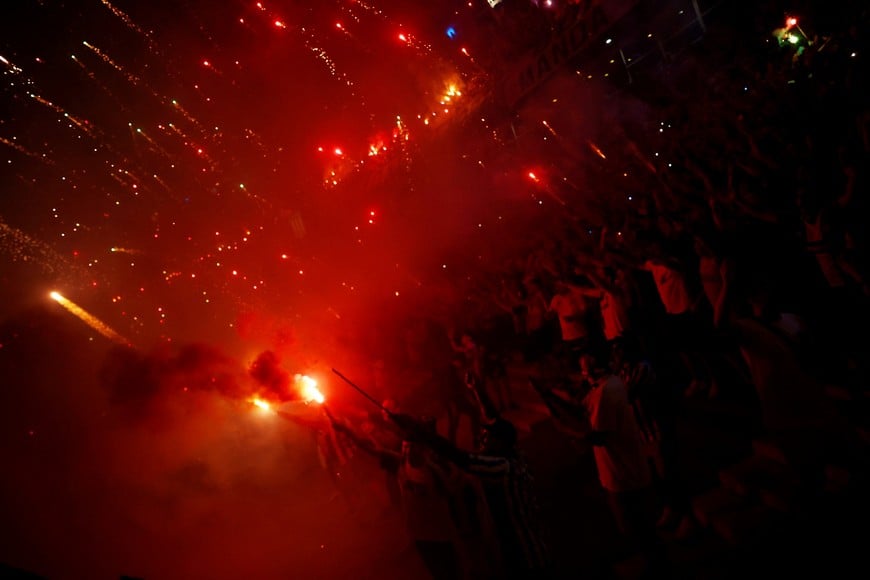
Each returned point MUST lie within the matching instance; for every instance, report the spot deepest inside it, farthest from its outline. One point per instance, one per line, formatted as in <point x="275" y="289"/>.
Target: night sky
<point x="213" y="180"/>
<point x="182" y="164"/>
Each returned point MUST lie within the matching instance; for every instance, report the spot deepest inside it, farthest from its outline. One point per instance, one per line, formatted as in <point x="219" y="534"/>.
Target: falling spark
<point x="89" y="319"/>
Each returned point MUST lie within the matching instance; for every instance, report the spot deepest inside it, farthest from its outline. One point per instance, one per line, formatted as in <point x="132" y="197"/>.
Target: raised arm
<point x="386" y="456"/>
<point x="484" y="402"/>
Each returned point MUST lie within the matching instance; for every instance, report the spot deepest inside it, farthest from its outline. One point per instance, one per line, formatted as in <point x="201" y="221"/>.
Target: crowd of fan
<point x="740" y="269"/>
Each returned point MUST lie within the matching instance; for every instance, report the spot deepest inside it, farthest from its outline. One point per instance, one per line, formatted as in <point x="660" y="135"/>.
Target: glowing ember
<point x="308" y="389"/>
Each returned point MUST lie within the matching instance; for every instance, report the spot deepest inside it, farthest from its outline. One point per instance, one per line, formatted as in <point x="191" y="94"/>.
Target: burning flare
<point x="308" y="389"/>
<point x="261" y="404"/>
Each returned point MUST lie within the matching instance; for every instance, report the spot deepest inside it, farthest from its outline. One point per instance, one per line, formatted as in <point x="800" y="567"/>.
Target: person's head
<point x="576" y="278"/>
<point x="760" y="300"/>
<point x="532" y="283"/>
<point x="594" y="362"/>
<point x="499" y="437"/>
<point x="429" y="423"/>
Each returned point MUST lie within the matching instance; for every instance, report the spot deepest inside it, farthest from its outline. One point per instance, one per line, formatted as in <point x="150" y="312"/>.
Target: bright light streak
<point x="89" y="319"/>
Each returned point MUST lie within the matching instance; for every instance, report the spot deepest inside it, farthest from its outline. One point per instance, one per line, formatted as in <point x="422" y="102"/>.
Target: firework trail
<point x="184" y="113"/>
<point x="152" y="46"/>
<point x="82" y="124"/>
<point x="139" y="83"/>
<point x="90" y="319"/>
<point x="23" y="248"/>
<point x="26" y="151"/>
<point x="131" y="78"/>
<point x="154" y="145"/>
<point x="311" y="43"/>
<point x="90" y="74"/>
<point x="370" y="9"/>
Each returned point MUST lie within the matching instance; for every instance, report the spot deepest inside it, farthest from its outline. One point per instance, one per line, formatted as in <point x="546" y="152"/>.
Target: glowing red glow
<point x="791" y="22"/>
<point x="280" y="24"/>
<point x="402" y="37"/>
